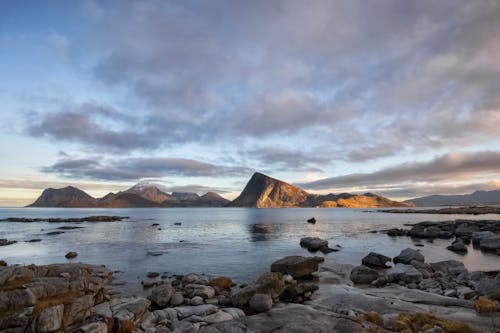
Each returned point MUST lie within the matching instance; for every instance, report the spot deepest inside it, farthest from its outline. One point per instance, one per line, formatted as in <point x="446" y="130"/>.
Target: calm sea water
<point x="238" y="242"/>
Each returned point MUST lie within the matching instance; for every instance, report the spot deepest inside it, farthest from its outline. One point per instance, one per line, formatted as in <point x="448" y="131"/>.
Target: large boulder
<point x="296" y="266"/>
<point x="407" y="255"/>
<point x="261" y="302"/>
<point x="453" y="267"/>
<point x="363" y="275"/>
<point x="50" y="319"/>
<point x="403" y="273"/>
<point x="201" y="290"/>
<point x="478" y="236"/>
<point x="490" y="244"/>
<point x="374" y="259"/>
<point x="313" y="243"/>
<point x="271" y="284"/>
<point x="161" y="295"/>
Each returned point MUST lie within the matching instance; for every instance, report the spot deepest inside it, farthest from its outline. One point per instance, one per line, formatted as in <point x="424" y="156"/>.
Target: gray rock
<point x="478" y="236"/>
<point x="375" y="260"/>
<point x="453" y="267"/>
<point x="196" y="300"/>
<point x="234" y="312"/>
<point x="435" y="329"/>
<point x="261" y="302"/>
<point x="95" y="327"/>
<point x="407" y="255"/>
<point x="177" y="299"/>
<point x="50" y="319"/>
<point x="199" y="310"/>
<point x="241" y="297"/>
<point x="161" y="295"/>
<point x="71" y="255"/>
<point x="490" y="244"/>
<point x="363" y="275"/>
<point x="313" y="243"/>
<point x="296" y="266"/>
<point x="218" y="317"/>
<point x="458" y="246"/>
<point x="403" y="273"/>
<point x="214" y="301"/>
<point x="78" y="310"/>
<point x="271" y="283"/>
<point x="488" y="287"/>
<point x="190" y="278"/>
<point x="201" y="290"/>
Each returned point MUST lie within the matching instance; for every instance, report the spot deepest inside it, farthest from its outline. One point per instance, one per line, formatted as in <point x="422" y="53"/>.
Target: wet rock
<point x="261" y="302"/>
<point x="35" y="240"/>
<point x="241" y="297"/>
<point x="199" y="310"/>
<point x="490" y="244"/>
<point x="71" y="255"/>
<point x="397" y="232"/>
<point x="161" y="295"/>
<point x="5" y="242"/>
<point x="403" y="273"/>
<point x="311" y="220"/>
<point x="375" y="260"/>
<point x="458" y="246"/>
<point x="3" y="263"/>
<point x="50" y="319"/>
<point x="152" y="275"/>
<point x="363" y="275"/>
<point x="155" y="253"/>
<point x="54" y="233"/>
<point x="407" y="255"/>
<point x="296" y="266"/>
<point x="313" y="243"/>
<point x="477" y="237"/>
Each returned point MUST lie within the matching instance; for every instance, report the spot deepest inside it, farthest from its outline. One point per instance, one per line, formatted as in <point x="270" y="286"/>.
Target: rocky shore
<point x="471" y="210"/>
<point x="298" y="294"/>
<point x="97" y="218"/>
<point x="484" y="234"/>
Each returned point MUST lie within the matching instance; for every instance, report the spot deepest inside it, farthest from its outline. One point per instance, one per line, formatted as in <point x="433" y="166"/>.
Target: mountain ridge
<point x="261" y="191"/>
<point x="474" y="198"/>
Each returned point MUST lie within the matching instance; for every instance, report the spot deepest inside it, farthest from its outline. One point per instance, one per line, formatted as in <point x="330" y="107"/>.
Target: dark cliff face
<point x="476" y="198"/>
<point x="64" y="197"/>
<point x="266" y="192"/>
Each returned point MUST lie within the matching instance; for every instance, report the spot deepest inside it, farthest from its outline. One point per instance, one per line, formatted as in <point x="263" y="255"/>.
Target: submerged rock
<point x="458" y="246"/>
<point x="313" y="243"/>
<point x="374" y="259"/>
<point x="407" y="255"/>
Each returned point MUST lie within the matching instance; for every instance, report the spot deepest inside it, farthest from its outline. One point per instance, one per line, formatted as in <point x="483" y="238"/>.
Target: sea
<point x="237" y="242"/>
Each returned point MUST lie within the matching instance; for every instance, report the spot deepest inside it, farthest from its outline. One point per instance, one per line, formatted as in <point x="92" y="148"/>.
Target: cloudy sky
<point x="400" y="98"/>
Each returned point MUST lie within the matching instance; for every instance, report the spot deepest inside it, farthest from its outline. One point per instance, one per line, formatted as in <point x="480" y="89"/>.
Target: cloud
<point x="132" y="169"/>
<point x="367" y="78"/>
<point x="288" y="159"/>
<point x="451" y="166"/>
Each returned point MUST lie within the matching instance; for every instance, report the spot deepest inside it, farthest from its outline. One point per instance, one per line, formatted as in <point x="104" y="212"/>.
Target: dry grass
<point x="15" y="284"/>
<point x="422" y="321"/>
<point x="373" y="317"/>
<point x="483" y="305"/>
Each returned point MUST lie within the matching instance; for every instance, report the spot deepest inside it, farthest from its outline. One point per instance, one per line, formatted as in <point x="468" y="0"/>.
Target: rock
<point x="50" y="319"/>
<point x="218" y="317"/>
<point x="488" y="287"/>
<point x="71" y="255"/>
<point x="380" y="282"/>
<point x="196" y="300"/>
<point x="177" y="299"/>
<point x="95" y="327"/>
<point x="458" y="246"/>
<point x="375" y="260"/>
<point x="403" y="273"/>
<point x="161" y="295"/>
<point x="3" y="263"/>
<point x="155" y="253"/>
<point x="213" y="301"/>
<point x="11" y="273"/>
<point x="450" y="293"/>
<point x="407" y="255"/>
<point x="152" y="275"/>
<point x="363" y="275"/>
<point x="241" y="297"/>
<point x="397" y="232"/>
<point x="490" y="244"/>
<point x="261" y="302"/>
<point x="78" y="310"/>
<point x="271" y="284"/>
<point x="478" y="236"/>
<point x="128" y="310"/>
<point x="311" y="220"/>
<point x="221" y="282"/>
<point x="435" y="329"/>
<point x="313" y="243"/>
<point x="190" y="278"/>
<point x="5" y="242"/>
<point x="453" y="267"/>
<point x="287" y="278"/>
<point x="234" y="312"/>
<point x="296" y="266"/>
<point x="203" y="291"/>
<point x="294" y="291"/>
<point x="199" y="310"/>
<point x="483" y="305"/>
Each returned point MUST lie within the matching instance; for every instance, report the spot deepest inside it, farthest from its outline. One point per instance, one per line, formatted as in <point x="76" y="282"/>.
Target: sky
<point x="399" y="98"/>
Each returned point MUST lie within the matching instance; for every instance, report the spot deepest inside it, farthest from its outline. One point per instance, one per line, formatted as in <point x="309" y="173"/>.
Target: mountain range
<point x="476" y="198"/>
<point x="261" y="191"/>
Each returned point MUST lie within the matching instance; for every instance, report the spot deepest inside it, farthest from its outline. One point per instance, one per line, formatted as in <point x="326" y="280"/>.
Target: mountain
<point x="151" y="192"/>
<point x="476" y="198"/>
<point x="139" y="195"/>
<point x="265" y="192"/>
<point x="68" y="196"/>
